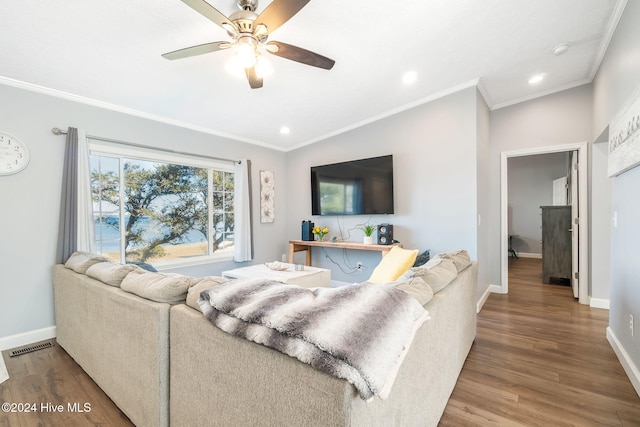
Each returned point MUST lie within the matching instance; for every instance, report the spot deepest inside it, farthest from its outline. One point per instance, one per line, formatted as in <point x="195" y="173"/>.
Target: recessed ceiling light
<point x="536" y="79"/>
<point x="285" y="130"/>
<point x="409" y="77"/>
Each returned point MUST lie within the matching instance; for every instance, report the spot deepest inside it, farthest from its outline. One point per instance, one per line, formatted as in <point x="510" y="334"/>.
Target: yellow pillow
<point x="393" y="265"/>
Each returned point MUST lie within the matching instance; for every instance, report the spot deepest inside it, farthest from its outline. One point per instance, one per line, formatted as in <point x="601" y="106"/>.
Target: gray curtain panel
<point x="68" y="225"/>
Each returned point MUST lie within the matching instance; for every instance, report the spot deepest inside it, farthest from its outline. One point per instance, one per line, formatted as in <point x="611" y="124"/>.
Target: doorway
<point x="580" y="212"/>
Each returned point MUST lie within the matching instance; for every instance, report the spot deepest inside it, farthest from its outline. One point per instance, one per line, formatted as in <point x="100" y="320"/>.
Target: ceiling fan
<point x="249" y="32"/>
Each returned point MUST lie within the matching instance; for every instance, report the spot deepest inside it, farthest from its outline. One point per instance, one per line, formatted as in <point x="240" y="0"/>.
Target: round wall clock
<point x="14" y="154"/>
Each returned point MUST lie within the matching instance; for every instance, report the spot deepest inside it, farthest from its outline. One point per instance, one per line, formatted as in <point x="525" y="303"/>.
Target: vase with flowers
<point x="320" y="232"/>
<point x="368" y="230"/>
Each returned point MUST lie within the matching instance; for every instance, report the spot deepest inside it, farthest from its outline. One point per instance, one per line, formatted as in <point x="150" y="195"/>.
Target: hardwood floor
<point x="51" y="376"/>
<point x="541" y="359"/>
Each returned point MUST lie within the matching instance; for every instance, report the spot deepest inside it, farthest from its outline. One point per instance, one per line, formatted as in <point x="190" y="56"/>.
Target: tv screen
<point x="357" y="187"/>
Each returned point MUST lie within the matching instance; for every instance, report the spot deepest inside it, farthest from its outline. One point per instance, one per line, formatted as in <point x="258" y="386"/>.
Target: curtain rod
<point x="59" y="131"/>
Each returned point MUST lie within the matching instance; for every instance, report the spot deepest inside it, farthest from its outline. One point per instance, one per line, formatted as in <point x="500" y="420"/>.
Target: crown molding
<point x="130" y="111"/>
<point x="614" y="19"/>
<point x="485" y="94"/>
<point x="541" y="94"/>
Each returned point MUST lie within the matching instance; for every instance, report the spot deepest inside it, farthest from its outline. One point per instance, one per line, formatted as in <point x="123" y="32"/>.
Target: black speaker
<point x="385" y="234"/>
<point x="307" y="234"/>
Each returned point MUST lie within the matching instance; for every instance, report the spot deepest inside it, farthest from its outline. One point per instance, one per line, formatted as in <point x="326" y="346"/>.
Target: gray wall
<point x="557" y="119"/>
<point x="617" y="78"/>
<point x="530" y="185"/>
<point x="600" y="211"/>
<point x="434" y="148"/>
<point x="485" y="254"/>
<point x="31" y="199"/>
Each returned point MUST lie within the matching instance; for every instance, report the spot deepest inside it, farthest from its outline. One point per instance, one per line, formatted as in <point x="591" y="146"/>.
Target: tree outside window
<point x="151" y="211"/>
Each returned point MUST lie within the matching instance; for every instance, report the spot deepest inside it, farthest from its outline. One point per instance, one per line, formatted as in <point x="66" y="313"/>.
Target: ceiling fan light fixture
<point x="249" y="32"/>
<point x="246" y="52"/>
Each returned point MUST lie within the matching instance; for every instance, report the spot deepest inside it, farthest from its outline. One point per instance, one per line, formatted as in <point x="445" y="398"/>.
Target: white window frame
<point x="114" y="150"/>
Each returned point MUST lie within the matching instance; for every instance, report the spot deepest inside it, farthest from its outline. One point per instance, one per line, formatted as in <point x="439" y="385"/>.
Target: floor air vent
<point x="30" y="348"/>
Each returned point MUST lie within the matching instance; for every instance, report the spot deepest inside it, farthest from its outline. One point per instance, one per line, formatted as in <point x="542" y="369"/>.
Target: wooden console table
<point x="304" y="245"/>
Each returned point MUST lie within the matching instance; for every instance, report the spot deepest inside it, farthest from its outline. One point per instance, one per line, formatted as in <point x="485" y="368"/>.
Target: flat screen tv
<point x="357" y="187"/>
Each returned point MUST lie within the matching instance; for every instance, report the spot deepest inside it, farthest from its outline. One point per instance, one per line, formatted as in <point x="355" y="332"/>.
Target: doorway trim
<point x="583" y="212"/>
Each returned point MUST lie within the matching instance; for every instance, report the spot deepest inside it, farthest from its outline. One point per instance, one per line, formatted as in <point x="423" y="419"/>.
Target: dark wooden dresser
<point x="556" y="242"/>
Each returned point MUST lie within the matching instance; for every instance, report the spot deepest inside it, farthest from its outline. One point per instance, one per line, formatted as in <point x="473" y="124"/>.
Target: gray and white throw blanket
<point x="360" y="333"/>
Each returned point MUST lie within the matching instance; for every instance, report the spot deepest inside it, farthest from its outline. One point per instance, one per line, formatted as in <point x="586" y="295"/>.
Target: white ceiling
<point x="107" y="53"/>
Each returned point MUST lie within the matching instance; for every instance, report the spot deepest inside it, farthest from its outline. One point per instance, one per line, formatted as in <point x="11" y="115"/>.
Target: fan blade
<point x="299" y="54"/>
<point x="196" y="50"/>
<point x="210" y="12"/>
<point x="254" y="81"/>
<point x="278" y="12"/>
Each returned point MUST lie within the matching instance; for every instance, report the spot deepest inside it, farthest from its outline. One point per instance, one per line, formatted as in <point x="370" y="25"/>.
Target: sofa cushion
<point x="110" y="273"/>
<point x="193" y="294"/>
<point x="460" y="259"/>
<point x="393" y="265"/>
<point x="161" y="287"/>
<point x="81" y="261"/>
<point x="437" y="273"/>
<point x="417" y="288"/>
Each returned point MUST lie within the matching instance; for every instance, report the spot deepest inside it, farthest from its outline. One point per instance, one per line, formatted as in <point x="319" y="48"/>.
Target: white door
<point x="575" y="224"/>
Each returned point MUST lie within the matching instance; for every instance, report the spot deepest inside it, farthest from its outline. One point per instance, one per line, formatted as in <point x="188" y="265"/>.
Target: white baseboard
<point x="25" y="338"/>
<point x="599" y="303"/>
<point x="495" y="289"/>
<point x="625" y="360"/>
<point x="484" y="297"/>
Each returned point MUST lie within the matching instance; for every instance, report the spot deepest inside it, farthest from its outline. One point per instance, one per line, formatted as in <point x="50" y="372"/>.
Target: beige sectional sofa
<point x="166" y="364"/>
<point x="120" y="339"/>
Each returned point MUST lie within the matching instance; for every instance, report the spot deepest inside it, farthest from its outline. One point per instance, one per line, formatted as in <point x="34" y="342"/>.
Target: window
<point x="149" y="207"/>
